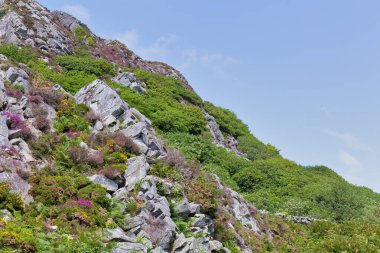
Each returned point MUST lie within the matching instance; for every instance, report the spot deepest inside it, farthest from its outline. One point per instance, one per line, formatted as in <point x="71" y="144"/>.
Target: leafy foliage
<point x="90" y="66"/>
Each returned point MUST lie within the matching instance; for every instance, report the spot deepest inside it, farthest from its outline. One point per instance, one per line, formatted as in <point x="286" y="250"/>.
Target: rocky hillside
<point x="102" y="151"/>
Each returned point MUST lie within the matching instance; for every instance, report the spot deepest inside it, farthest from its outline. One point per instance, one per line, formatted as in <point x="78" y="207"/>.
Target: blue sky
<point x="304" y="75"/>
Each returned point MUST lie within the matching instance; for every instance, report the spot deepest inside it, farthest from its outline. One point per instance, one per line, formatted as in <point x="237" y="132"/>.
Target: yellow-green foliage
<point x="164" y="104"/>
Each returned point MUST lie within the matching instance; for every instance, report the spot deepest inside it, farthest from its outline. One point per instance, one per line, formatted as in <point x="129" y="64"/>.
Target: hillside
<point x="102" y="151"/>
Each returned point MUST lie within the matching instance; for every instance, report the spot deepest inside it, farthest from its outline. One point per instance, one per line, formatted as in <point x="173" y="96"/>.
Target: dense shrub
<point x="13" y="52"/>
<point x="8" y="200"/>
<point x="228" y="122"/>
<point x="163" y="104"/>
<point x="72" y="81"/>
<point x="90" y="66"/>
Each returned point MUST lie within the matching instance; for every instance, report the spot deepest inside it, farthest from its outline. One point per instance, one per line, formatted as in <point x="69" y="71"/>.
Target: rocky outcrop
<point x="129" y="80"/>
<point x="230" y="142"/>
<point x="214" y="129"/>
<point x="28" y="23"/>
<point x="117" y="115"/>
<point x="239" y="208"/>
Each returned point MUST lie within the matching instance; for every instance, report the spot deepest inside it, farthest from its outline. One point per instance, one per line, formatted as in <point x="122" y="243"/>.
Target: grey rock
<point x="186" y="209"/>
<point x="137" y="168"/>
<point x="132" y="222"/>
<point x="121" y="194"/>
<point x="128" y="247"/>
<point x="17" y="185"/>
<point x="215" y="246"/>
<point x="110" y="185"/>
<point x="4" y="132"/>
<point x="159" y="207"/>
<point x="3" y="57"/>
<point x="5" y="215"/>
<point x="23" y="150"/>
<point x="240" y="209"/>
<point x="129" y="80"/>
<point x="14" y="73"/>
<point x="117" y="115"/>
<point x="67" y="20"/>
<point x="214" y="129"/>
<point x="117" y="235"/>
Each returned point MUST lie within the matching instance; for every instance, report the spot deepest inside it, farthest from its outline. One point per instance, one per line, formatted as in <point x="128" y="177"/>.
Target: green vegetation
<point x="23" y="55"/>
<point x="83" y="35"/>
<point x="230" y="124"/>
<point x="64" y="197"/>
<point x="90" y="66"/>
<point x="164" y="103"/>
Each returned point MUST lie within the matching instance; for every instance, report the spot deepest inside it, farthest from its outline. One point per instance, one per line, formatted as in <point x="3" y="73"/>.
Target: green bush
<point x="169" y="104"/>
<point x="228" y="122"/>
<point x="17" y="54"/>
<point x="8" y="200"/>
<point x="73" y="123"/>
<point x="71" y="81"/>
<point x="88" y="65"/>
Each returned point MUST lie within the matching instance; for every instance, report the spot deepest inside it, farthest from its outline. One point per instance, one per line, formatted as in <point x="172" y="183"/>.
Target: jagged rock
<point x="23" y="149"/>
<point x="202" y="223"/>
<point x="118" y="115"/>
<point x="188" y="245"/>
<point x="17" y="185"/>
<point x="158" y="250"/>
<point x="129" y="80"/>
<point x="239" y="208"/>
<point x="14" y="73"/>
<point x="214" y="129"/>
<point x="148" y="189"/>
<point x="121" y="194"/>
<point x="117" y="235"/>
<point x="186" y="209"/>
<point x="132" y="222"/>
<point x="13" y="164"/>
<point x="5" y="215"/>
<point x="3" y="57"/>
<point x="137" y="168"/>
<point x="4" y="132"/>
<point x="32" y="24"/>
<point x="110" y="185"/>
<point x="128" y="247"/>
<point x="159" y="207"/>
<point x="67" y="20"/>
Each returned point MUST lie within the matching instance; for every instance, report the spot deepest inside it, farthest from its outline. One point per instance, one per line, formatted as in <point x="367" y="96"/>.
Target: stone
<point x="17" y="185"/>
<point x="121" y="194"/>
<point x="137" y="168"/>
<point x="129" y="80"/>
<point x="110" y="185"/>
<point x="183" y="209"/>
<point x="132" y="222"/>
<point x="117" y="235"/>
<point x="4" y="132"/>
<point x="23" y="150"/>
<point x="3" y="57"/>
<point x="215" y="246"/>
<point x="214" y="129"/>
<point x="128" y="247"/>
<point x="159" y="207"/>
<point x="13" y="73"/>
<point x="117" y="115"/>
<point x="67" y="20"/>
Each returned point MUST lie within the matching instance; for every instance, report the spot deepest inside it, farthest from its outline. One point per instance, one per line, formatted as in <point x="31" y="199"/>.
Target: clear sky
<point x="304" y="75"/>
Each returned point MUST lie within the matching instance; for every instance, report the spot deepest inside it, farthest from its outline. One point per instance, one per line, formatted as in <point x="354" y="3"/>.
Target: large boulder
<point x="137" y="169"/>
<point x="17" y="185"/>
<point x="129" y="80"/>
<point x="29" y="23"/>
<point x="110" y="185"/>
<point x="129" y="247"/>
<point x="4" y="142"/>
<point x="119" y="116"/>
